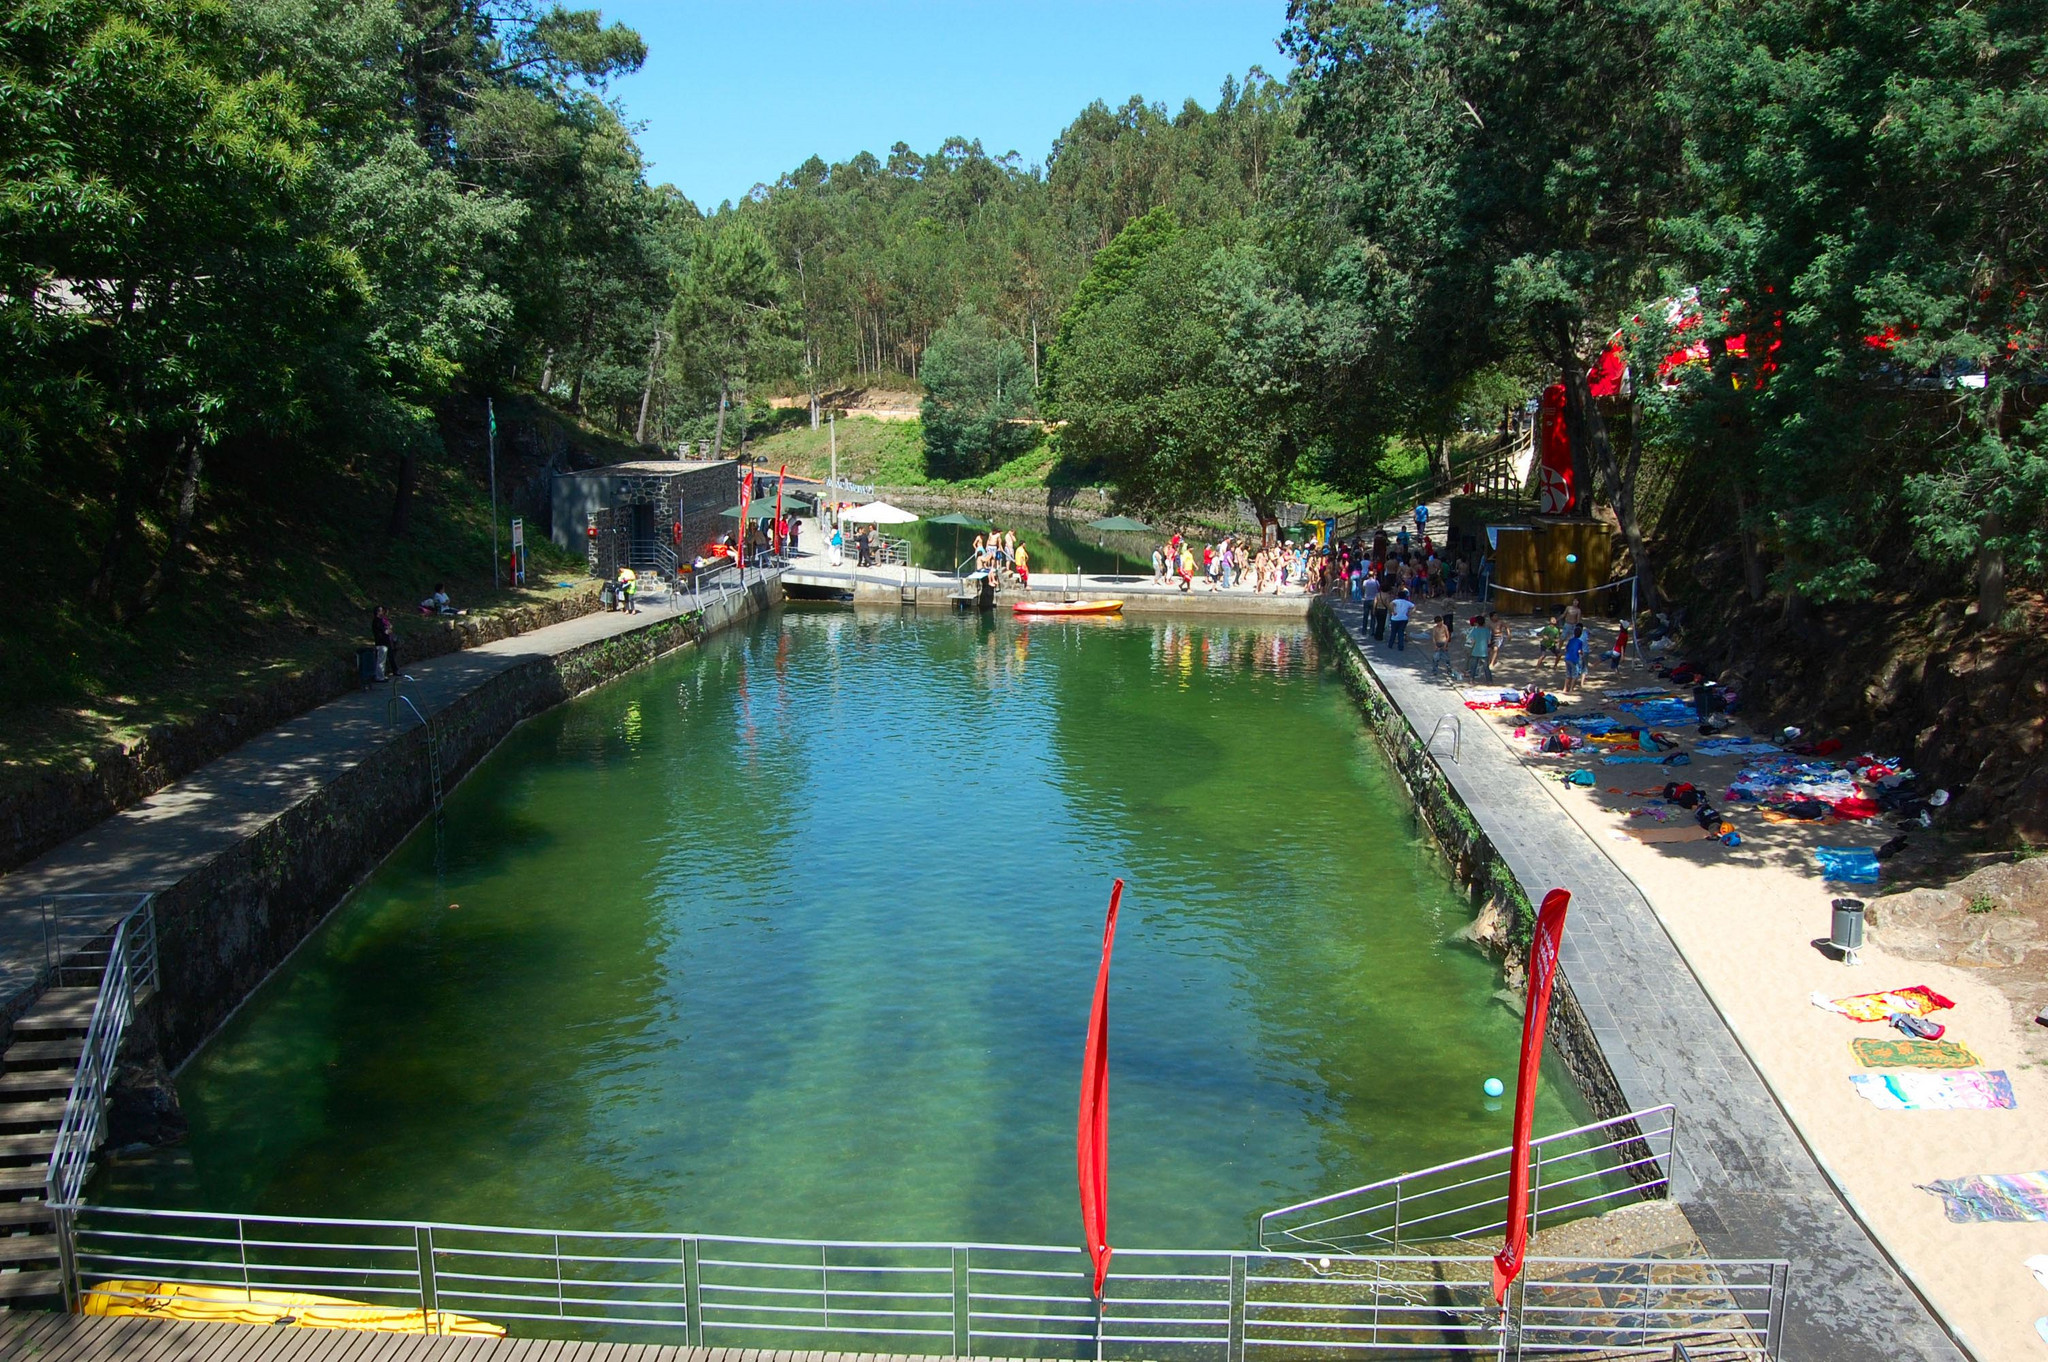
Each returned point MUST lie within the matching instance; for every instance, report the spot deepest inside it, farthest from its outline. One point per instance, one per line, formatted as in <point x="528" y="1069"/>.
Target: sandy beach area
<point x="1747" y="920"/>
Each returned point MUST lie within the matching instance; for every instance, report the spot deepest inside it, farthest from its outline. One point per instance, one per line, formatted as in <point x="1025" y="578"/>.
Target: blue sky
<point x="735" y="93"/>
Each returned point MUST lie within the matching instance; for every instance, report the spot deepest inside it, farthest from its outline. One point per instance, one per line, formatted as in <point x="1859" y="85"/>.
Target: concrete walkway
<point x="169" y="835"/>
<point x="1747" y="1183"/>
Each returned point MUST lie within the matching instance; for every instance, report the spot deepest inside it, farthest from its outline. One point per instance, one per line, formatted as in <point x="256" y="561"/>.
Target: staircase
<point x="36" y="1073"/>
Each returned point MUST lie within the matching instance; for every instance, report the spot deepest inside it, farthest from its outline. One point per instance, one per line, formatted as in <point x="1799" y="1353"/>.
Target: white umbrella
<point x="880" y="513"/>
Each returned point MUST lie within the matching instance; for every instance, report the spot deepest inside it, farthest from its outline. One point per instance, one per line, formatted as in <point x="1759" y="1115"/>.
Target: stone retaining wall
<point x="59" y="804"/>
<point x="224" y="928"/>
<point x="1477" y="865"/>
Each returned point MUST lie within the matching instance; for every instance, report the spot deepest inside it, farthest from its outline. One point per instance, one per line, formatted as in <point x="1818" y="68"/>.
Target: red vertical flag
<point x="780" y="475"/>
<point x="1091" y="1140"/>
<point x="1507" y="1264"/>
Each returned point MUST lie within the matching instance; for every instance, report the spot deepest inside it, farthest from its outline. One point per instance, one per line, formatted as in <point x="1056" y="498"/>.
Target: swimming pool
<point x="794" y="934"/>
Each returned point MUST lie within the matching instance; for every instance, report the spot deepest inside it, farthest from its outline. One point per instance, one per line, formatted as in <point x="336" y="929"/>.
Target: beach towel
<point x="1847" y="865"/>
<point x="1646" y="759"/>
<point x="1644" y="693"/>
<point x="1992" y="1196"/>
<point x="1736" y="747"/>
<point x="1667" y="710"/>
<point x="1917" y="1001"/>
<point x="1874" y="1052"/>
<point x="1670" y="832"/>
<point x="1966" y="1090"/>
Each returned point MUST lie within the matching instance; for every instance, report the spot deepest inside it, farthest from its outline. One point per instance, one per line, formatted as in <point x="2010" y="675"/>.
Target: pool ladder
<point x="1457" y="723"/>
<point x="433" y="744"/>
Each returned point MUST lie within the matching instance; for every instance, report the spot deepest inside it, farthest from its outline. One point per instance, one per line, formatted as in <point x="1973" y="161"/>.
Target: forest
<point x="262" y="262"/>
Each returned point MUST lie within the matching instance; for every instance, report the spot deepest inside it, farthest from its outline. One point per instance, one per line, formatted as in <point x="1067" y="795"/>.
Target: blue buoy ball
<point x="1494" y="1087"/>
<point x="1571" y="558"/>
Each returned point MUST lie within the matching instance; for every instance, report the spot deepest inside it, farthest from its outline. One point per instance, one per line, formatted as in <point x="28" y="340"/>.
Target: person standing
<point x="1023" y="566"/>
<point x="1382" y="599"/>
<point x="1478" y="643"/>
<point x="1574" y="660"/>
<point x="384" y="635"/>
<point x="1421" y="519"/>
<point x="1397" y="621"/>
<point x="1440" y="648"/>
<point x="1501" y="633"/>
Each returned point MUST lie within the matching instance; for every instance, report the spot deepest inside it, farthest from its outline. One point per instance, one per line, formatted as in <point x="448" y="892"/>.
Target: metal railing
<point x="60" y="940"/>
<point x="961" y="1300"/>
<point x="1572" y="1173"/>
<point x="126" y="970"/>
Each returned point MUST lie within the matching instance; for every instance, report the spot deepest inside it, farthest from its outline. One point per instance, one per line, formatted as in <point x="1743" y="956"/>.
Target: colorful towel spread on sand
<point x="1847" y="865"/>
<point x="1736" y="747"/>
<point x="1876" y="1052"/>
<point x="1771" y="782"/>
<point x="1917" y="1001"/>
<point x="1668" y="710"/>
<point x="1647" y="759"/>
<point x="1968" y="1090"/>
<point x="1992" y="1196"/>
<point x="1640" y="693"/>
<point x="1589" y="724"/>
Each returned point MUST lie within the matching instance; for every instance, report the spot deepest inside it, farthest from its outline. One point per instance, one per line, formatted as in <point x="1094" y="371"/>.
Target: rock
<point x="2017" y="885"/>
<point x="1489" y="930"/>
<point x="142" y="1107"/>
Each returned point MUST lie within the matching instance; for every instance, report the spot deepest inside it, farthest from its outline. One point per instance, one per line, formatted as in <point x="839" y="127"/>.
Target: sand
<point x="1746" y="919"/>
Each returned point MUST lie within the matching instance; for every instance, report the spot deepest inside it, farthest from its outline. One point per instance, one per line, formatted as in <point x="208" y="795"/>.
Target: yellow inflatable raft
<point x="233" y="1305"/>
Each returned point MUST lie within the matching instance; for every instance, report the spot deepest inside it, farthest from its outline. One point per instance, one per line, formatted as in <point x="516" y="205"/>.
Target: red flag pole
<point x="780" y="474"/>
<point x="1507" y="1264"/>
<point x="1091" y="1139"/>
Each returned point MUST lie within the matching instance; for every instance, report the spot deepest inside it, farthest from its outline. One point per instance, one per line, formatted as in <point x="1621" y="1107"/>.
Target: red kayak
<point x="1068" y="607"/>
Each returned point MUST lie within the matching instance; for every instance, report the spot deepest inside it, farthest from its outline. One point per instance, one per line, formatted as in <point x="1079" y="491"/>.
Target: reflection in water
<point x="794" y="934"/>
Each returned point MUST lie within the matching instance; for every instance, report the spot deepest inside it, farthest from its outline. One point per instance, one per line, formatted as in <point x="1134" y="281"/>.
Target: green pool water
<point x="795" y="935"/>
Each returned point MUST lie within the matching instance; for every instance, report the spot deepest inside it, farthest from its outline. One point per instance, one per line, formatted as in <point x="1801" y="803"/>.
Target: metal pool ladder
<point x="1457" y="723"/>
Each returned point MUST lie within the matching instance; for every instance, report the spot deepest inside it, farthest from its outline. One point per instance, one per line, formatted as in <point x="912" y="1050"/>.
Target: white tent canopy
<point x="878" y="513"/>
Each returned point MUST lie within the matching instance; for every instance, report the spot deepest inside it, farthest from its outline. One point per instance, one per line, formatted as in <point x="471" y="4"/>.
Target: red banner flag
<point x="780" y="475"/>
<point x="1091" y="1140"/>
<point x="1507" y="1264"/>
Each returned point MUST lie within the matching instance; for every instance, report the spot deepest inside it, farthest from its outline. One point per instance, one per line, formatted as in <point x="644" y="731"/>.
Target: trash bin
<point x="370" y="665"/>
<point x="1846" y="935"/>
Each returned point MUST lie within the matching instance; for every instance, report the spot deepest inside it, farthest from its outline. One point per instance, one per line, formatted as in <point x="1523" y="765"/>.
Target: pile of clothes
<point x="1816" y="790"/>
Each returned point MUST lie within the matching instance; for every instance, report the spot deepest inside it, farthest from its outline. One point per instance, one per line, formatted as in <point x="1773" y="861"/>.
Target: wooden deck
<point x="78" y="1338"/>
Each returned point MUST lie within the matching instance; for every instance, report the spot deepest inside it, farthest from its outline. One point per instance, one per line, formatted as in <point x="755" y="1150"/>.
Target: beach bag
<point x="1682" y="793"/>
<point x="1583" y="778"/>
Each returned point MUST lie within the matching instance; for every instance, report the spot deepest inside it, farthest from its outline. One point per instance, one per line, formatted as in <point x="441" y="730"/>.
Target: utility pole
<point x="832" y="483"/>
<point x="491" y="417"/>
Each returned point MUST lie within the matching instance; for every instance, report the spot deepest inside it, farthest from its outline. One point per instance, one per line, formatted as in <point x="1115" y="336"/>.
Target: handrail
<point x="1467" y="1198"/>
<point x="1457" y="723"/>
<point x="129" y="970"/>
<point x="948" y="1299"/>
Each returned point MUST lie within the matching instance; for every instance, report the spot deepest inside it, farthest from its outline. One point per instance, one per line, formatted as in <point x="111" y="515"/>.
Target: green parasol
<point x="959" y="522"/>
<point x="1118" y="524"/>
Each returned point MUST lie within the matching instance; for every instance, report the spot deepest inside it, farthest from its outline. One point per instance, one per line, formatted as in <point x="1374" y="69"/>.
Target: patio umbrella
<point x="759" y="510"/>
<point x="959" y="522"/>
<point x="1118" y="524"/>
<point x="881" y="513"/>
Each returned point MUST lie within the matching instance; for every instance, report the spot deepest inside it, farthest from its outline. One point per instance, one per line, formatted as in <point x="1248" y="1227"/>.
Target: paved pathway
<point x="164" y="838"/>
<point x="1747" y="1183"/>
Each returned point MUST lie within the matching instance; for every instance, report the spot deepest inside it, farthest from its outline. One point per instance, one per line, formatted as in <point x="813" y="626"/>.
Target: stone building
<point x="628" y="513"/>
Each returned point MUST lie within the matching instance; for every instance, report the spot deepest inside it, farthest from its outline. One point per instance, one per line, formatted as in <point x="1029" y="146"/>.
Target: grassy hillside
<point x="891" y="454"/>
<point x="276" y="579"/>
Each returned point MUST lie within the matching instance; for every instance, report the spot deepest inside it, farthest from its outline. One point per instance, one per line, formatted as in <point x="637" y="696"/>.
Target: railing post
<point x="1535" y="1189"/>
<point x="67" y="1257"/>
<point x="1774" y="1327"/>
<point x="423" y="1258"/>
<point x="1511" y="1317"/>
<point x="693" y="1295"/>
<point x="963" y="1302"/>
<point x="1235" y="1351"/>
